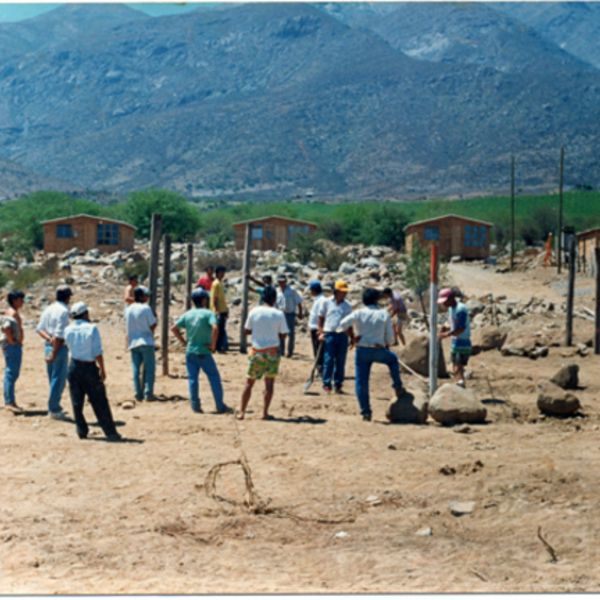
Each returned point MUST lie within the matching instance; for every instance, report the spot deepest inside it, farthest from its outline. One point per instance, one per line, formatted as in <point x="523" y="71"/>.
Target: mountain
<point x="572" y="26"/>
<point x="272" y="100"/>
<point x="460" y="33"/>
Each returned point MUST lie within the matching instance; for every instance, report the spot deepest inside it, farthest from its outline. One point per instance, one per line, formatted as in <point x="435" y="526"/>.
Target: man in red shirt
<point x="206" y="281"/>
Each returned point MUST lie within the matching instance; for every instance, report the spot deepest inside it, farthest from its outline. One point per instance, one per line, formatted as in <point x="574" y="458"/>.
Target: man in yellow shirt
<point x="218" y="304"/>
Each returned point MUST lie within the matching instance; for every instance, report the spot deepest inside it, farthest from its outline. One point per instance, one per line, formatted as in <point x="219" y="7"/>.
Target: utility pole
<point x="560" y="207"/>
<point x="512" y="213"/>
<point x="433" y="308"/>
<point x="166" y="301"/>
<point x="155" y="234"/>
<point x="570" y="292"/>
<point x="245" y="283"/>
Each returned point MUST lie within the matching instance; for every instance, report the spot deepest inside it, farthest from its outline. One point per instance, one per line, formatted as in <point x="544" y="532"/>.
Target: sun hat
<point x="341" y="286"/>
<point x="444" y="295"/>
<point x="79" y="309"/>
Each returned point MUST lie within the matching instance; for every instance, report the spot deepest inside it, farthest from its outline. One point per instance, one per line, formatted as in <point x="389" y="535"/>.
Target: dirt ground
<point x="347" y="500"/>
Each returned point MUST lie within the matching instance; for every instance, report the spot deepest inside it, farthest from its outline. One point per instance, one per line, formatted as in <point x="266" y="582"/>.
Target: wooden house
<point x="587" y="242"/>
<point x="86" y="232"/>
<point x="269" y="232"/>
<point x="453" y="235"/>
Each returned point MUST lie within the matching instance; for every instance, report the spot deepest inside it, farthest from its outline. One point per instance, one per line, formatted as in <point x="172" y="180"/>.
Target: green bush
<point x="304" y="248"/>
<point x="216" y="241"/>
<point x="140" y="268"/>
<point x="331" y="258"/>
<point x="179" y="218"/>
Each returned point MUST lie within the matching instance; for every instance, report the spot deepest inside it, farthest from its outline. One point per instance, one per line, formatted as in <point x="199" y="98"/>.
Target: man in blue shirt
<point x="202" y="331"/>
<point x="460" y="332"/>
<point x="371" y="331"/>
<point x="141" y="324"/>
<point x="86" y="373"/>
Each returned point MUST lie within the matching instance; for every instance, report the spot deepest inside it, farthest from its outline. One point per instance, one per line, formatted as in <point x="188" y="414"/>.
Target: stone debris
<point x="555" y="401"/>
<point x="458" y="509"/>
<point x="453" y="404"/>
<point x="424" y="531"/>
<point x="567" y="377"/>
<point x="411" y="407"/>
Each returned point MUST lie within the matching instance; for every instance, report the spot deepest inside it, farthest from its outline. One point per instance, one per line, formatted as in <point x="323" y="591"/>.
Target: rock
<point x="347" y="269"/>
<point x="392" y="446"/>
<point x="236" y="301"/>
<point x="177" y="257"/>
<point x="341" y="534"/>
<point x="453" y="404"/>
<point x="424" y="531"/>
<point x="553" y="400"/>
<point x="416" y="355"/>
<point x="72" y="253"/>
<point x="540" y="352"/>
<point x="128" y="405"/>
<point x="462" y="428"/>
<point x="567" y="377"/>
<point x="487" y="338"/>
<point x="475" y="307"/>
<point x="369" y="262"/>
<point x="458" y="509"/>
<point x="411" y="407"/>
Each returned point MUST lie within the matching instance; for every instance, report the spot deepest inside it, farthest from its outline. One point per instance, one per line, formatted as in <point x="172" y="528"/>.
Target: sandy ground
<point x="346" y="497"/>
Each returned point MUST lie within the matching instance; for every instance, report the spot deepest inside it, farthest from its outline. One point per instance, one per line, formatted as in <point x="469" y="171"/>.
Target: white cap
<point x="78" y="309"/>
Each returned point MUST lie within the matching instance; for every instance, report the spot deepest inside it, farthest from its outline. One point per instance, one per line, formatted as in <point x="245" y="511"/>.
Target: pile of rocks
<point x="554" y="397"/>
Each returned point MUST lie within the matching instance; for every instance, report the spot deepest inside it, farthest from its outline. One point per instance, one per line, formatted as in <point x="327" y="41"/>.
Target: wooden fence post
<point x="154" y="257"/>
<point x="512" y="213"/>
<point x="189" y="275"/>
<point x="433" y="309"/>
<point x="560" y="207"/>
<point x="570" y="292"/>
<point x="245" y="283"/>
<point x="597" y="318"/>
<point x="166" y="301"/>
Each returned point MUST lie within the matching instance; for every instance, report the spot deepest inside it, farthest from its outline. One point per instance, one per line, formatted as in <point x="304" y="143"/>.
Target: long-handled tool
<point x="312" y="373"/>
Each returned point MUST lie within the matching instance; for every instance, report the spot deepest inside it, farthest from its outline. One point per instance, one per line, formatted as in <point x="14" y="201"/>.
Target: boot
<point x="399" y="391"/>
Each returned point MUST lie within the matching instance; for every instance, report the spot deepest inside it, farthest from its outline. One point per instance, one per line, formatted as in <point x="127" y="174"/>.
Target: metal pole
<point x="433" y="339"/>
<point x="154" y="257"/>
<point x="570" y="292"/>
<point x="166" y="301"/>
<point x="189" y="274"/>
<point x="245" y="283"/>
<point x="597" y="318"/>
<point x="560" y="207"/>
<point x="512" y="213"/>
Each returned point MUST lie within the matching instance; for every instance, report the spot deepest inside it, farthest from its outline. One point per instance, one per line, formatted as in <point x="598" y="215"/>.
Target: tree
<point x="386" y="227"/>
<point x="179" y="217"/>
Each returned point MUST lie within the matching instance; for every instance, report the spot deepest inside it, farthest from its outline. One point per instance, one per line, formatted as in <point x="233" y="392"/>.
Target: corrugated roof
<point x="275" y="217"/>
<point x="448" y="217"/>
<point x="595" y="230"/>
<point x="104" y="219"/>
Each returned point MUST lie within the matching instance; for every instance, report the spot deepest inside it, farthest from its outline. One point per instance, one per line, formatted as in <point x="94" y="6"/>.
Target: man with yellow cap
<point x="335" y="341"/>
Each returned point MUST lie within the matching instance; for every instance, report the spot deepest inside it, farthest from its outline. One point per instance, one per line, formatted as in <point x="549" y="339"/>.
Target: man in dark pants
<point x="218" y="304"/>
<point x="86" y="374"/>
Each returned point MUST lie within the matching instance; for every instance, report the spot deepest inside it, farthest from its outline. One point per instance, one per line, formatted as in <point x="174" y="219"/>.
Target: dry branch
<point x="548" y="547"/>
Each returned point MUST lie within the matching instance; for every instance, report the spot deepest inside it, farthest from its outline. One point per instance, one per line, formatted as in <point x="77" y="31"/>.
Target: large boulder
<point x="475" y="307"/>
<point x="453" y="404"/>
<point x="411" y="407"/>
<point x="487" y="338"/>
<point x="416" y="355"/>
<point x="567" y="377"/>
<point x="553" y="400"/>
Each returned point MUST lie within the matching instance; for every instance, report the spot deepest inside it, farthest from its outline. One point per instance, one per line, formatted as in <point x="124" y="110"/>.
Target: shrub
<point x="216" y="241"/>
<point x="304" y="248"/>
<point x="140" y="268"/>
<point x="331" y="258"/>
<point x="385" y="227"/>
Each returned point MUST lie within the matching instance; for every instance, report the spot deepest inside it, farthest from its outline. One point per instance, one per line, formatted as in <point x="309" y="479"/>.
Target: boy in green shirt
<point x="201" y="328"/>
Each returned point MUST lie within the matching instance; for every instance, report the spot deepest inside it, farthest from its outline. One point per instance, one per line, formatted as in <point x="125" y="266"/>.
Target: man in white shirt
<point x="316" y="291"/>
<point x="288" y="300"/>
<point x="335" y="341"/>
<point x="141" y="324"/>
<point x="87" y="374"/>
<point x="371" y="331"/>
<point x="268" y="327"/>
<point x="51" y="328"/>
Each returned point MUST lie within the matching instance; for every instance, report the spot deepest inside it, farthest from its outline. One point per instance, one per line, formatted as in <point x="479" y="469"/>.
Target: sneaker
<point x="197" y="409"/>
<point x="17" y="410"/>
<point x="59" y="416"/>
<point x="82" y="436"/>
<point x="151" y="398"/>
<point x="225" y="411"/>
<point x="367" y="417"/>
<point x="114" y="437"/>
<point x="338" y="389"/>
<point x="327" y="389"/>
<point x="461" y="382"/>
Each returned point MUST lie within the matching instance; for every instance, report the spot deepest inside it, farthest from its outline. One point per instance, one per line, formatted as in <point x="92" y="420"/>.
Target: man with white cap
<point x="288" y="300"/>
<point x="202" y="331"/>
<point x="460" y="332"/>
<point x="51" y="328"/>
<point x="335" y="341"/>
<point x="87" y="374"/>
<point x="141" y="324"/>
<point x="316" y="291"/>
<point x="372" y="332"/>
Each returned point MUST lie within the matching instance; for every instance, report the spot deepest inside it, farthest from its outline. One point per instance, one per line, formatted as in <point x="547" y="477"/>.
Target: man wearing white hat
<point x="86" y="373"/>
<point x="460" y="332"/>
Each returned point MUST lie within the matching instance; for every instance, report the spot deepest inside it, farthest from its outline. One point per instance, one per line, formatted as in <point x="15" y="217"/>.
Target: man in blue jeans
<point x="335" y="341"/>
<point x="51" y="329"/>
<point x="202" y="331"/>
<point x="371" y="331"/>
<point x="141" y="324"/>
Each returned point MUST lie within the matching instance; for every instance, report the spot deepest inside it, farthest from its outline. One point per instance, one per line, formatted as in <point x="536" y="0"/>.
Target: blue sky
<point x="18" y="12"/>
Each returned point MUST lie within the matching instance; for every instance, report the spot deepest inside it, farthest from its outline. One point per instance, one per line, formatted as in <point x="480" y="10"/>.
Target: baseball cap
<point x="64" y="290"/>
<point x="139" y="291"/>
<point x="282" y="277"/>
<point x="200" y="292"/>
<point x="314" y="285"/>
<point x="78" y="309"/>
<point x="444" y="295"/>
<point x="341" y="286"/>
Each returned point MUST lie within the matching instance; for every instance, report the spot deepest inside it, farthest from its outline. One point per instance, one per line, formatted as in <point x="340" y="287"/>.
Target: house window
<point x="108" y="234"/>
<point x="257" y="232"/>
<point x="268" y="235"/>
<point x="475" y="236"/>
<point x="432" y="233"/>
<point x="63" y="231"/>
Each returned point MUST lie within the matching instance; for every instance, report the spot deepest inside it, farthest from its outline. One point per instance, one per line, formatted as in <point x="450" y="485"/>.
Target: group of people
<point x="334" y="328"/>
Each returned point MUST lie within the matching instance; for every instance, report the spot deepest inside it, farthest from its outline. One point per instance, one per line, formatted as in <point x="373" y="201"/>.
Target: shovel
<point x="312" y="373"/>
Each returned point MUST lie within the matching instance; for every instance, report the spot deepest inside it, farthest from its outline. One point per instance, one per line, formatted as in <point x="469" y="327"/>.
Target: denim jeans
<point x="290" y="319"/>
<point x="222" y="342"/>
<point x="57" y="376"/>
<point x="363" y="360"/>
<point x="143" y="355"/>
<point x="335" y="350"/>
<point x="13" y="356"/>
<point x="194" y="363"/>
